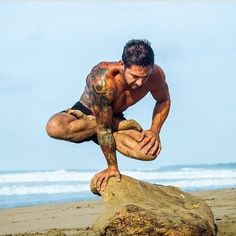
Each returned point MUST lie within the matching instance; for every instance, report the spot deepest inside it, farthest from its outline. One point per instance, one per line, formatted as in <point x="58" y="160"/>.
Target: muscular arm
<point x="150" y="138"/>
<point x="103" y="113"/>
<point x="162" y="107"/>
<point x="101" y="95"/>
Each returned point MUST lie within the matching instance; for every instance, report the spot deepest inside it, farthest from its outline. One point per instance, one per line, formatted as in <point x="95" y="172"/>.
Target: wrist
<point x="113" y="167"/>
<point x="155" y="130"/>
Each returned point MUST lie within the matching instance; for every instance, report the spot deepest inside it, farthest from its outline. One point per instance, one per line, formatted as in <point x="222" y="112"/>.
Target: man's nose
<point x="139" y="82"/>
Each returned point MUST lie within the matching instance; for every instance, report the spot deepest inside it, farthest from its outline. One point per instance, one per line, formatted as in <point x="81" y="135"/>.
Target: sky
<point x="47" y="48"/>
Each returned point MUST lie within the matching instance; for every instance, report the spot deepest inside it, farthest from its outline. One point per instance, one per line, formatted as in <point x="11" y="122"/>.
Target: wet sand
<point x="223" y="205"/>
<point x="76" y="218"/>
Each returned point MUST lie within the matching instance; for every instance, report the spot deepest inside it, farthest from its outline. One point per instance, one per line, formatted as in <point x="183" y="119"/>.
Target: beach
<point x="76" y="218"/>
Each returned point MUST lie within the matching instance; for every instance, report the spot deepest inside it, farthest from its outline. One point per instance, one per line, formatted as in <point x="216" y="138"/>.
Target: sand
<point x="76" y="218"/>
<point x="223" y="205"/>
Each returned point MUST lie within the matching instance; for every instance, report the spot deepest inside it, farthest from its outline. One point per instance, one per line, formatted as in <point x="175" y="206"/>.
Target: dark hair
<point x="138" y="52"/>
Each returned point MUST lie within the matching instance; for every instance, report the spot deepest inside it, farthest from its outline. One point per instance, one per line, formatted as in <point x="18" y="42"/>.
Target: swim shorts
<point x="87" y="111"/>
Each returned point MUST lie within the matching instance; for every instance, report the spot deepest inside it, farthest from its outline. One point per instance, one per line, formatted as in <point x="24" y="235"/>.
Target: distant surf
<point x="24" y="188"/>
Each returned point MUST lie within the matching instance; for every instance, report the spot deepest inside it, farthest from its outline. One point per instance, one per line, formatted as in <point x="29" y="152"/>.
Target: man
<point x="112" y="87"/>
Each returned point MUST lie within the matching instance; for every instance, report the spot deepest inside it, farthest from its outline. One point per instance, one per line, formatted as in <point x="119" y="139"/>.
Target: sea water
<point x="25" y="188"/>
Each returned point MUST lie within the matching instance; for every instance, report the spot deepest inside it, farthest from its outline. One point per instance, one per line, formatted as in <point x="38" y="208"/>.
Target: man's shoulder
<point x="157" y="73"/>
<point x="99" y="80"/>
<point x="104" y="65"/>
<point x="102" y="69"/>
<point x="157" y="69"/>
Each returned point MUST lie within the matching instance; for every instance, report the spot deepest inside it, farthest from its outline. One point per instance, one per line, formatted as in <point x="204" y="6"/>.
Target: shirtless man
<point x="112" y="87"/>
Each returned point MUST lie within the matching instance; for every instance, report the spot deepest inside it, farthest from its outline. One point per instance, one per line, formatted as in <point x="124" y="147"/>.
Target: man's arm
<point x="150" y="139"/>
<point x="102" y="94"/>
<point x="160" y="113"/>
<point x="162" y="107"/>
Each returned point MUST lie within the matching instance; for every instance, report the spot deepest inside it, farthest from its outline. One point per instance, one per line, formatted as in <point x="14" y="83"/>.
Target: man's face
<point x="135" y="76"/>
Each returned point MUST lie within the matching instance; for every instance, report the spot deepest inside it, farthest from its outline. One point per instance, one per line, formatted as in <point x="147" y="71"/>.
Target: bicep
<point x="161" y="94"/>
<point x="160" y="90"/>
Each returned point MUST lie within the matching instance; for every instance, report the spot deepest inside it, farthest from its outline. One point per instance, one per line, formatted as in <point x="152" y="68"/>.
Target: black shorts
<point x="86" y="111"/>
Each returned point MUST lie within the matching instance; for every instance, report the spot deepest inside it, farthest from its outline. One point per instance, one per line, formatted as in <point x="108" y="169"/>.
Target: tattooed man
<point x="112" y="87"/>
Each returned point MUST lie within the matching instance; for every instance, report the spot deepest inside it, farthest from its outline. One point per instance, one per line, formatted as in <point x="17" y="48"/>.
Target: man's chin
<point x="134" y="87"/>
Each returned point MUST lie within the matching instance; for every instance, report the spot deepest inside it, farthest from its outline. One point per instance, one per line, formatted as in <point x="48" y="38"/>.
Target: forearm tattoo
<point x="107" y="143"/>
<point x="101" y="95"/>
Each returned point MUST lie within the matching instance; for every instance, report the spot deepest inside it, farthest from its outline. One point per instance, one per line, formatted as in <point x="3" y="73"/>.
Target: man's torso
<point x="124" y="96"/>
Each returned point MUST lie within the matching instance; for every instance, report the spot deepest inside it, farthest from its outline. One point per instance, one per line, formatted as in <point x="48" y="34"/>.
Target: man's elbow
<point x="168" y="102"/>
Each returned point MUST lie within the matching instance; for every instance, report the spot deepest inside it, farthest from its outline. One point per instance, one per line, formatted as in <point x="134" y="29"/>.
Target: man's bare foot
<point x="129" y="124"/>
<point x="79" y="114"/>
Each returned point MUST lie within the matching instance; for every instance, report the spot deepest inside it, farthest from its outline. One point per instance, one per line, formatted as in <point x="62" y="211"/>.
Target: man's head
<point x="138" y="52"/>
<point x="138" y="61"/>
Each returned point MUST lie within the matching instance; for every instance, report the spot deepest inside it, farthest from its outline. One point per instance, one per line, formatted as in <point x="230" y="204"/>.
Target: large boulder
<point x="134" y="207"/>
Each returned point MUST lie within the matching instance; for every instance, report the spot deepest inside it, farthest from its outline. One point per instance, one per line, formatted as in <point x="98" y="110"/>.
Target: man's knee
<point x="145" y="157"/>
<point x="56" y="127"/>
<point x="136" y="154"/>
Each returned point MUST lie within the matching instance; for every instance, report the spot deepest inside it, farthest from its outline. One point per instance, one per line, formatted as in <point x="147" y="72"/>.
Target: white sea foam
<point x="196" y="184"/>
<point x="22" y="189"/>
<point x="182" y="174"/>
<point x="67" y="181"/>
<point x="26" y="188"/>
<point x="47" y="176"/>
<point x="75" y="176"/>
<point x="48" y="189"/>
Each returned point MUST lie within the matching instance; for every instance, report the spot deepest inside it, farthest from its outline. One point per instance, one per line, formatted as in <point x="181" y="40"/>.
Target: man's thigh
<point x="72" y="126"/>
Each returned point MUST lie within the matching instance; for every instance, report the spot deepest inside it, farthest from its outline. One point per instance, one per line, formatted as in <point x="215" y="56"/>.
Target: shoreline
<point x="76" y="218"/>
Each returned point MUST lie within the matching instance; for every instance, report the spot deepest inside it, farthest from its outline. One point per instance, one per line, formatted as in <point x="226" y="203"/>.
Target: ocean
<point x="27" y="188"/>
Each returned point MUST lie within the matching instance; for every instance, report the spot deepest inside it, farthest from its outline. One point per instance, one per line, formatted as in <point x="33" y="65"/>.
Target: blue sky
<point x="48" y="48"/>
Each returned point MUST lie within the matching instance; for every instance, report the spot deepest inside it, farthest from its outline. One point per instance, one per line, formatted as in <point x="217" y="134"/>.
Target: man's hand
<point x="101" y="178"/>
<point x="150" y="142"/>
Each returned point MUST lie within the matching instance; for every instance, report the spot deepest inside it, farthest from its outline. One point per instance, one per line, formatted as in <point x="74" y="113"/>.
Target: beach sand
<point x="76" y="218"/>
<point x="223" y="205"/>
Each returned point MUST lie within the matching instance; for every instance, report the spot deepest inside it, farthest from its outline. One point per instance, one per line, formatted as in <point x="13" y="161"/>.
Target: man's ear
<point x="121" y="62"/>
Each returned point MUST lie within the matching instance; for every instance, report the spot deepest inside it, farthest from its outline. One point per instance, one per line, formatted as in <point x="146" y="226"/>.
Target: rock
<point x="134" y="207"/>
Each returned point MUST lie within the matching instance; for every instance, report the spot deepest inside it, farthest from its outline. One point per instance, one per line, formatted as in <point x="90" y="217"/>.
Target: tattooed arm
<point x="102" y="95"/>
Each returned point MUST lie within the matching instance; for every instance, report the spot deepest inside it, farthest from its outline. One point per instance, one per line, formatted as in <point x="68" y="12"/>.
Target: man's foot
<point x="129" y="124"/>
<point x="79" y="114"/>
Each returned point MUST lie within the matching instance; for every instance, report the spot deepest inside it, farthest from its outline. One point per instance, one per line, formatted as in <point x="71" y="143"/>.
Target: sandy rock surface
<point x="134" y="207"/>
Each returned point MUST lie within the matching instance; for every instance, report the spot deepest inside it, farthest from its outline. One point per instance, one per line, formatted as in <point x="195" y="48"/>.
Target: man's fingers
<point x="101" y="179"/>
<point x="99" y="182"/>
<point x="118" y="177"/>
<point x="144" y="142"/>
<point x="141" y="137"/>
<point x="96" y="179"/>
<point x="154" y="148"/>
<point x="150" y="145"/>
<point x="159" y="148"/>
<point x="104" y="182"/>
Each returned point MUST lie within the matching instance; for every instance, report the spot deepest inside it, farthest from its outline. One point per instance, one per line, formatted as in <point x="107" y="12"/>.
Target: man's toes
<point x="135" y="125"/>
<point x="77" y="113"/>
<point x="90" y="117"/>
<point x="129" y="124"/>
